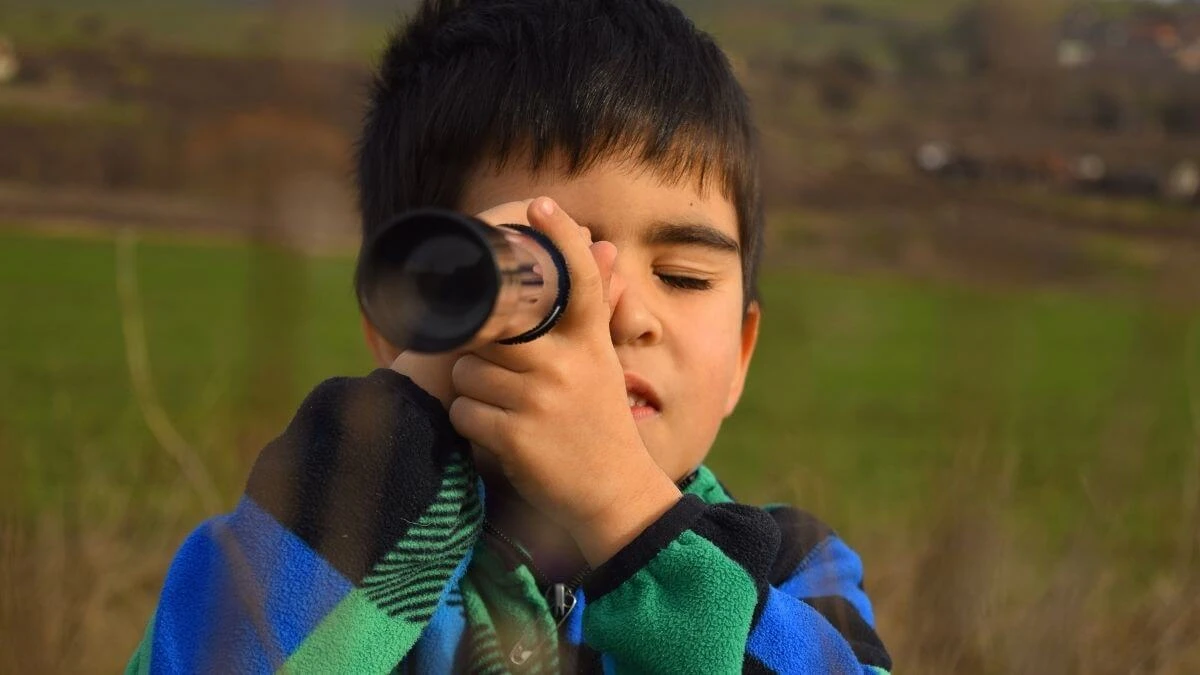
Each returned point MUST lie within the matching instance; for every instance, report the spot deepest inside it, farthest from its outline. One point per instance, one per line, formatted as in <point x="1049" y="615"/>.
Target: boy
<point x="540" y="507"/>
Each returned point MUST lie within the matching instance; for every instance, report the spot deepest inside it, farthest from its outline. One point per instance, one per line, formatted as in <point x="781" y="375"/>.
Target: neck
<point x="551" y="547"/>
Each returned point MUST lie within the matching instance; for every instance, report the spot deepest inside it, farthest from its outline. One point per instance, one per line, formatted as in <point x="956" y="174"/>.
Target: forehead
<point x="617" y="200"/>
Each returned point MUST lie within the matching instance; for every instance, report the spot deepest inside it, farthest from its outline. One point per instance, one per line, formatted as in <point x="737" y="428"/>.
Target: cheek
<point x="704" y="384"/>
<point x="710" y="359"/>
<point x="704" y="344"/>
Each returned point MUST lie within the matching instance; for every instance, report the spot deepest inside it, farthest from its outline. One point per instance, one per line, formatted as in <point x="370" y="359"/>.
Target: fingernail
<point x="547" y="207"/>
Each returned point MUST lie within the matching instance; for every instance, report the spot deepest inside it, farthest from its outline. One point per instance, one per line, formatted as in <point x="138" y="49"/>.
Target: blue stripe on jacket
<point x="242" y="574"/>
<point x="831" y="568"/>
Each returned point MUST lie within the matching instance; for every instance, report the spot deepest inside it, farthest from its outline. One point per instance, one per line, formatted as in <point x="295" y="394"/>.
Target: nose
<point x="632" y="320"/>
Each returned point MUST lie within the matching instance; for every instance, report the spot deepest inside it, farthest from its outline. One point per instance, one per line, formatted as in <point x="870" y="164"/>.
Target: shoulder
<point x="814" y="563"/>
<point x="805" y="541"/>
<point x="801" y="535"/>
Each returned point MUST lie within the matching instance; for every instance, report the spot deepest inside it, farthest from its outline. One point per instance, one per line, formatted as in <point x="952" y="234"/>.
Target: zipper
<point x="560" y="597"/>
<point x="563" y="602"/>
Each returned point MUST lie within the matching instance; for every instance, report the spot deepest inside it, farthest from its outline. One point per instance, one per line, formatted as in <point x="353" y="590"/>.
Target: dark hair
<point x="469" y="81"/>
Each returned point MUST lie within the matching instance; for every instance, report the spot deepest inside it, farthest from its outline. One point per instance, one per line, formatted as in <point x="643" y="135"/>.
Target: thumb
<point x="574" y="242"/>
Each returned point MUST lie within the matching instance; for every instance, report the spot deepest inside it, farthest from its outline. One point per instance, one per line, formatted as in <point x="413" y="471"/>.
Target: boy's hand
<point x="554" y="412"/>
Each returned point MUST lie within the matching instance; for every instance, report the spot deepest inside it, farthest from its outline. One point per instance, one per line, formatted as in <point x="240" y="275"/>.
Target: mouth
<point x="643" y="400"/>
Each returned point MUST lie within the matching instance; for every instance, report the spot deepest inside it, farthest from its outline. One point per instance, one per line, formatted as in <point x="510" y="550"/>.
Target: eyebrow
<point x="690" y="234"/>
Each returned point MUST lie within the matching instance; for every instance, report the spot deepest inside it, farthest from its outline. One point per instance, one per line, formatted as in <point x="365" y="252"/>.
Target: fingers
<point x="478" y="422"/>
<point x="473" y="376"/>
<point x="587" y="283"/>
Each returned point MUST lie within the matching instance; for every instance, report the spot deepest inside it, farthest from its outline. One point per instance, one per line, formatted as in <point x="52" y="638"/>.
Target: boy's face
<point x="677" y="324"/>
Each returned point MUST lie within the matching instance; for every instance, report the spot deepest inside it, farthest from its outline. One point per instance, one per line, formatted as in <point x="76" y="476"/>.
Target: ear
<point x="382" y="350"/>
<point x="749" y="340"/>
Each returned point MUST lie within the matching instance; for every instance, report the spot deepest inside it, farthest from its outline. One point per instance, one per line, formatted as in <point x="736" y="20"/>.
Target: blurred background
<point x="981" y="351"/>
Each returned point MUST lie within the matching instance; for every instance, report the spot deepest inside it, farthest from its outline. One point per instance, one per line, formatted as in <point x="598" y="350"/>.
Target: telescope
<point x="433" y="280"/>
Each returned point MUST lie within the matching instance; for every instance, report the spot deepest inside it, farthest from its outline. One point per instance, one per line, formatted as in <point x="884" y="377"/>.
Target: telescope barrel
<point x="433" y="280"/>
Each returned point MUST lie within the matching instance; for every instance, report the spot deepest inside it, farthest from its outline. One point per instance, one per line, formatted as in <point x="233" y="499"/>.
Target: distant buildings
<point x="1147" y="38"/>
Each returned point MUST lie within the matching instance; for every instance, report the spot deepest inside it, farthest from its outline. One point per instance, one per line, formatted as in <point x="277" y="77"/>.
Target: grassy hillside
<point x="865" y="391"/>
<point x="993" y="450"/>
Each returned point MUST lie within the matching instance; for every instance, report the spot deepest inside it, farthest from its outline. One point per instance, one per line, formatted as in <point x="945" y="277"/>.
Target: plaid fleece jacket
<point x="359" y="547"/>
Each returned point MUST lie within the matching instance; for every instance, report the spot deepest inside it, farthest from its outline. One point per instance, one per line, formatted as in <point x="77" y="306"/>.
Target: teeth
<point x="635" y="401"/>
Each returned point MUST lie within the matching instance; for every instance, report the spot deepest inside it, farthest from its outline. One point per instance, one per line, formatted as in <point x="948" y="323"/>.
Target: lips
<point x="643" y="400"/>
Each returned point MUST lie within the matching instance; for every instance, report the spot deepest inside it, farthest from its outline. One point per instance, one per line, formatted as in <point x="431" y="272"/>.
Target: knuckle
<point x="458" y="412"/>
<point x="529" y="392"/>
<point x="458" y="371"/>
<point x="558" y="374"/>
<point x="504" y="429"/>
<point x="538" y="400"/>
<point x="516" y="432"/>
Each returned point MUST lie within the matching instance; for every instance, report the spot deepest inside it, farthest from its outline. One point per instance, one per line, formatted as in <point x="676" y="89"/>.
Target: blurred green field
<point x="875" y="402"/>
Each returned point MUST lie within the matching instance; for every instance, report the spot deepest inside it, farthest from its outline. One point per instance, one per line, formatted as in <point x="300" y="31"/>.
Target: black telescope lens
<point x="431" y="281"/>
<point x="451" y="275"/>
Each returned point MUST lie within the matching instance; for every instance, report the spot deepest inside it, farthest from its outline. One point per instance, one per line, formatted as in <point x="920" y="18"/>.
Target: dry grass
<point x="967" y="597"/>
<point x="76" y="598"/>
<point x="963" y="597"/>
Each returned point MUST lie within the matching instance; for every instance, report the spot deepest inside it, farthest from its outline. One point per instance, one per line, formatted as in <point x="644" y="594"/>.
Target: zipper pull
<point x="562" y="602"/>
<point x="519" y="654"/>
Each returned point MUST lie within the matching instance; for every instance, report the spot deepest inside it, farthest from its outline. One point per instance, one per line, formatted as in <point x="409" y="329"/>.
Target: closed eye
<point x="685" y="283"/>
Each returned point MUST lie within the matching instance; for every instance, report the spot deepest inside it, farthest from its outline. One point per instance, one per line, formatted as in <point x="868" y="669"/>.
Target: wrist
<point x="600" y="537"/>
